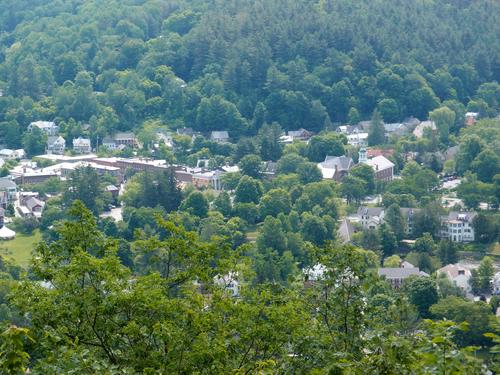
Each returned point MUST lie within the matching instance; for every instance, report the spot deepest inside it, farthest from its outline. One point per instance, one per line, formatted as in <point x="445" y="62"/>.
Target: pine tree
<point x="376" y="135"/>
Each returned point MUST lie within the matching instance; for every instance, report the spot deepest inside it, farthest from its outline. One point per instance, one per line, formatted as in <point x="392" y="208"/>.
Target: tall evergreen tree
<point x="376" y="134"/>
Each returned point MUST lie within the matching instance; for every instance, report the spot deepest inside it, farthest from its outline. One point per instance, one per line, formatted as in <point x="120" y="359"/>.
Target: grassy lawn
<point x="20" y="247"/>
<point x="495" y="250"/>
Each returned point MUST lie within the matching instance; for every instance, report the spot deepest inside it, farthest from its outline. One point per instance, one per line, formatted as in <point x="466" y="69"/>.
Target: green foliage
<point x="320" y="146"/>
<point x="309" y="172"/>
<point x="13" y="358"/>
<point x="447" y="252"/>
<point x="250" y="165"/>
<point x="477" y="315"/>
<point x="249" y="190"/>
<point x="481" y="278"/>
<point x="422" y="293"/>
<point x="274" y="202"/>
<point x="376" y="134"/>
<point x="425" y="244"/>
<point x="195" y="203"/>
<point x="35" y="142"/>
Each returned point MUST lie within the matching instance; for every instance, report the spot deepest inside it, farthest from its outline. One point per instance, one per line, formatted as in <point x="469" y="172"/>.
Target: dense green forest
<point x="254" y="278"/>
<point x="234" y="65"/>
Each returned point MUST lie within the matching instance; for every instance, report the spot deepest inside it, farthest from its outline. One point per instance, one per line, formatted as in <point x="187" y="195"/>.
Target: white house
<point x="358" y="139"/>
<point x="56" y="145"/>
<point x="48" y="127"/>
<point x="229" y="283"/>
<point x="382" y="167"/>
<point x="459" y="275"/>
<point x="109" y="143"/>
<point x="82" y="145"/>
<point x="335" y="167"/>
<point x="457" y="226"/>
<point x="219" y="136"/>
<point x="370" y="217"/>
<point x="7" y="153"/>
<point x="419" y="130"/>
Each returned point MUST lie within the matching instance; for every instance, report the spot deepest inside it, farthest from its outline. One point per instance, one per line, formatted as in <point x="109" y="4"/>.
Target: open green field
<point x="20" y="247"/>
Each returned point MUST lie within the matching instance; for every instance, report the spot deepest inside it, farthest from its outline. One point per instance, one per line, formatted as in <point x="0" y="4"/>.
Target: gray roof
<point x="33" y="202"/>
<point x="220" y="134"/>
<point x="55" y="138"/>
<point x="349" y="129"/>
<point x="463" y="216"/>
<point x="185" y="131"/>
<point x="6" y="183"/>
<point x="124" y="135"/>
<point x="393" y="127"/>
<point x="398" y="273"/>
<point x="341" y="163"/>
<point x="370" y="211"/>
<point x="346" y="230"/>
<point x="299" y="133"/>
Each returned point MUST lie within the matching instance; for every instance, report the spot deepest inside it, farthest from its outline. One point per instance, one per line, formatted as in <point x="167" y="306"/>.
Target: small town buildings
<point x="9" y="154"/>
<point x="396" y="276"/>
<point x="189" y="132"/>
<point x="269" y="169"/>
<point x="113" y="190"/>
<point x="5" y="233"/>
<point x="358" y="139"/>
<point x="382" y="167"/>
<point x="67" y="168"/>
<point x="56" y="145"/>
<point x="458" y="274"/>
<point x="9" y="186"/>
<point x="48" y="127"/>
<point x="126" y="139"/>
<point x="82" y="145"/>
<point x="420" y="128"/>
<point x="397" y="129"/>
<point x="67" y="158"/>
<point x="370" y="217"/>
<point x="300" y="134"/>
<point x="210" y="179"/>
<point x="36" y="176"/>
<point x="219" y="136"/>
<point x="375" y="151"/>
<point x="457" y="226"/>
<point x="109" y="144"/>
<point x="35" y="206"/>
<point x="347" y="129"/>
<point x="336" y="167"/>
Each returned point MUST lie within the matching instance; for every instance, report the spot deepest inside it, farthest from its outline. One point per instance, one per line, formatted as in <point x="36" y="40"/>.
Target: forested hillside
<point x="367" y="249"/>
<point x="232" y="65"/>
